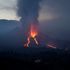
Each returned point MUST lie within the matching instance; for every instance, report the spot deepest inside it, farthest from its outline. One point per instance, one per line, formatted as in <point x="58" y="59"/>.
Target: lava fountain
<point x="33" y="32"/>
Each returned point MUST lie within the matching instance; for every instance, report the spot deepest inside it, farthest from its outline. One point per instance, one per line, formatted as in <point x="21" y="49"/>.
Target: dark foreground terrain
<point x="55" y="59"/>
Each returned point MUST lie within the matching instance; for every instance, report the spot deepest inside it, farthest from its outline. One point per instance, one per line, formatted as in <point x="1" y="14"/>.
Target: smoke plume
<point x="28" y="10"/>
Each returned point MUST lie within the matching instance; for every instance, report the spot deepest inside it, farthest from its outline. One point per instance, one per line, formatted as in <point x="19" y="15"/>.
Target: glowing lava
<point x="51" y="45"/>
<point x="32" y="34"/>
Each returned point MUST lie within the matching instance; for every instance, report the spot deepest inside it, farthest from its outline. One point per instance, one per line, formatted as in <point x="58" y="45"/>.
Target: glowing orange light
<point x="33" y="31"/>
<point x="28" y="42"/>
<point x="32" y="34"/>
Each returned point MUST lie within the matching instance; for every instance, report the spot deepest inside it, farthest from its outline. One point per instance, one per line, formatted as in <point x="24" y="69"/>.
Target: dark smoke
<point x="28" y="10"/>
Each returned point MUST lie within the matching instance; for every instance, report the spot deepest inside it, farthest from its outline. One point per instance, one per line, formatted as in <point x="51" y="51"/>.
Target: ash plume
<point x="28" y="10"/>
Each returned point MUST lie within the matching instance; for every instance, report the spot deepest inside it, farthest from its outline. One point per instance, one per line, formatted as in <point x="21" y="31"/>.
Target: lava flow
<point x="33" y="32"/>
<point x="51" y="45"/>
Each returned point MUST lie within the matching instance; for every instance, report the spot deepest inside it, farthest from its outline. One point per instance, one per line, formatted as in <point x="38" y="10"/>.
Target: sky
<point x="8" y="10"/>
<point x="50" y="9"/>
<point x="55" y="18"/>
<point x="55" y="11"/>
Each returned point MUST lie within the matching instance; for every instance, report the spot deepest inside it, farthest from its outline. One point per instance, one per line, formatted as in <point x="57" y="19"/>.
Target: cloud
<point x="8" y="3"/>
<point x="54" y="18"/>
<point x="54" y="9"/>
<point x="8" y="9"/>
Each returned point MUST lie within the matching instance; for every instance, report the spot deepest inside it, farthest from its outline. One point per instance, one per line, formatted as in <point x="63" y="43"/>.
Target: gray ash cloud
<point x="28" y="9"/>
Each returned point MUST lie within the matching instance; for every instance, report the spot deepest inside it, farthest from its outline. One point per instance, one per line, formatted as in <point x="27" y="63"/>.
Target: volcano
<point x="33" y="32"/>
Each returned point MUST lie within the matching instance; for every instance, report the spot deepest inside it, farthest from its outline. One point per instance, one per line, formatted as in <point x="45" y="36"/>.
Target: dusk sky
<point x="50" y="9"/>
<point x="8" y="10"/>
<point x="55" y="11"/>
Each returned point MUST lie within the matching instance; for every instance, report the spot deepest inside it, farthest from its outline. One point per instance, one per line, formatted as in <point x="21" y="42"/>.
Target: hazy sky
<point x="8" y="10"/>
<point x="56" y="11"/>
<point x="50" y="9"/>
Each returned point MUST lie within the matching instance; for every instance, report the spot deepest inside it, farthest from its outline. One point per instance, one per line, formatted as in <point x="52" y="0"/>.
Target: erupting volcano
<point x="28" y="10"/>
<point x="33" y="32"/>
